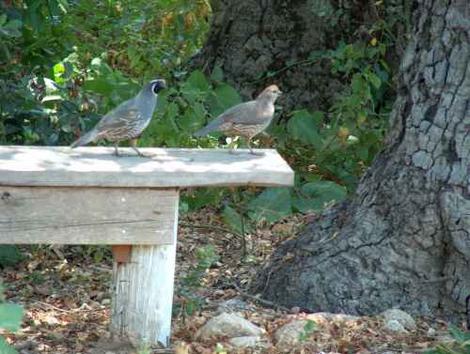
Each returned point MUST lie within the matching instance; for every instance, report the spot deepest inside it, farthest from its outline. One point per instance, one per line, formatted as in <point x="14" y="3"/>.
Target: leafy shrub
<point x="460" y="345"/>
<point x="9" y="256"/>
<point x="189" y="284"/>
<point x="10" y="320"/>
<point x="63" y="69"/>
<point x="309" y="328"/>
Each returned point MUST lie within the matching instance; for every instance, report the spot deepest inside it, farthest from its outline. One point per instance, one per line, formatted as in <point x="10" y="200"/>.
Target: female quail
<point x="246" y="119"/>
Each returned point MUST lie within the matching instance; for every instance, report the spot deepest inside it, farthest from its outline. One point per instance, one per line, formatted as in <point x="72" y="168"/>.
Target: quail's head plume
<point x="128" y="120"/>
<point x="246" y="119"/>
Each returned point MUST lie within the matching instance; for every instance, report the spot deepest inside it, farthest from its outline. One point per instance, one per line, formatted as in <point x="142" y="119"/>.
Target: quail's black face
<point x="158" y="85"/>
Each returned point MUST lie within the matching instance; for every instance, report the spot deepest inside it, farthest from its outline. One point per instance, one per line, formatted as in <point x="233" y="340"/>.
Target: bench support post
<point x="143" y="292"/>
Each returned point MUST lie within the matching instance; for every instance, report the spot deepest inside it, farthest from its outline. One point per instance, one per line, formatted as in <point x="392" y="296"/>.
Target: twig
<point x="211" y="227"/>
<point x="66" y="311"/>
<point x="403" y="350"/>
<point x="242" y="220"/>
<point x="260" y="300"/>
<point x="163" y="351"/>
<point x="52" y="307"/>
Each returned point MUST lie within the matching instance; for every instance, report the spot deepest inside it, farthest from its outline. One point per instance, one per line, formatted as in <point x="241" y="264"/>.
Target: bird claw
<point x="141" y="154"/>
<point x="148" y="156"/>
<point x="257" y="153"/>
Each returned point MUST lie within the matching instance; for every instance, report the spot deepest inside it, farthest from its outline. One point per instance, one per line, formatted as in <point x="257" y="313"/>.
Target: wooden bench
<point x="56" y="195"/>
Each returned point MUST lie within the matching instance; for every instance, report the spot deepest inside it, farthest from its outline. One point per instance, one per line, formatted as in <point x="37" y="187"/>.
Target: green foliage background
<point x="63" y="67"/>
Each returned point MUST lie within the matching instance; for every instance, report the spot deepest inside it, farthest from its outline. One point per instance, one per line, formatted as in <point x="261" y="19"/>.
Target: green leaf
<point x="58" y="70"/>
<point x="51" y="98"/>
<point x="203" y="197"/>
<point x="313" y="196"/>
<point x="224" y="96"/>
<point x="217" y="74"/>
<point x="233" y="219"/>
<point x="9" y="255"/>
<point x="10" y="316"/>
<point x="227" y="95"/>
<point x="193" y="118"/>
<point x="458" y="335"/>
<point x="100" y="86"/>
<point x="5" y="348"/>
<point x="310" y="326"/>
<point x="304" y="127"/>
<point x="358" y="85"/>
<point x="191" y="94"/>
<point x="271" y="205"/>
<point x="198" y="81"/>
<point x="374" y="80"/>
<point x="12" y="28"/>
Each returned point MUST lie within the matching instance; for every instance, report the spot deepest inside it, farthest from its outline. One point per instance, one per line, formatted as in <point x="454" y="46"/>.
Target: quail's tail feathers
<point x="202" y="132"/>
<point x="87" y="138"/>
<point x="209" y="128"/>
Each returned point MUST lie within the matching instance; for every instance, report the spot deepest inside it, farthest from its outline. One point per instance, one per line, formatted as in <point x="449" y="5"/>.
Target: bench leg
<point x="143" y="293"/>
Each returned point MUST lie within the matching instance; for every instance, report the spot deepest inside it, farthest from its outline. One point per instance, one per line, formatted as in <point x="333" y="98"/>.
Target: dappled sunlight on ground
<point x="65" y="292"/>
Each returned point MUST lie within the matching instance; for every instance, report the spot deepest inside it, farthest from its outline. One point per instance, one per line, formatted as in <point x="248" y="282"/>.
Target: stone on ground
<point x="401" y="316"/>
<point x="248" y="342"/>
<point x="326" y="317"/>
<point x="228" y="325"/>
<point x="288" y="336"/>
<point x="395" y="326"/>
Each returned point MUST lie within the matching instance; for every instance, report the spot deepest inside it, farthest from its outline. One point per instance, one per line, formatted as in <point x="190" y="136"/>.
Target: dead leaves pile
<point x="65" y="293"/>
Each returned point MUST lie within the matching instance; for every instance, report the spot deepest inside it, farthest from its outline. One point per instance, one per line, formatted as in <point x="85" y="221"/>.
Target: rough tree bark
<point x="404" y="239"/>
<point x="259" y="42"/>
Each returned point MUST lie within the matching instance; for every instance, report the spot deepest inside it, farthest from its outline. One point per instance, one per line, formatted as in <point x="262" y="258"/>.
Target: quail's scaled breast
<point x="128" y="120"/>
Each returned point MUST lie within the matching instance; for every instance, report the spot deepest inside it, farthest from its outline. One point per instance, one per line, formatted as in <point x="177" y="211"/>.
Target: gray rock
<point x="25" y="345"/>
<point x="395" y="326"/>
<point x="228" y="325"/>
<point x="401" y="316"/>
<point x="248" y="342"/>
<point x="288" y="335"/>
<point x="320" y="317"/>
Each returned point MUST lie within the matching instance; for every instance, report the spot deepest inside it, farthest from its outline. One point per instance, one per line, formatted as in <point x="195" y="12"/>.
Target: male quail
<point x="128" y="120"/>
<point x="246" y="119"/>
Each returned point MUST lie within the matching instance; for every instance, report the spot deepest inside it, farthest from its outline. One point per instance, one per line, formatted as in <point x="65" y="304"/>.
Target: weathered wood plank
<point x="32" y="215"/>
<point x="143" y="292"/>
<point x="97" y="167"/>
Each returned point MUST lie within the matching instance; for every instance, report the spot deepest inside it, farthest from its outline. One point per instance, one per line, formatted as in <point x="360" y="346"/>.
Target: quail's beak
<point x="162" y="83"/>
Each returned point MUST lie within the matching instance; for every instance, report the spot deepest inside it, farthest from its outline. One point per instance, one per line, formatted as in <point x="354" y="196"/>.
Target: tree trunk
<point x="260" y="42"/>
<point x="404" y="239"/>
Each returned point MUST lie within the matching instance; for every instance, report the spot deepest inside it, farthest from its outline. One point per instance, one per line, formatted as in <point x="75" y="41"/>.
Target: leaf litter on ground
<point x="66" y="295"/>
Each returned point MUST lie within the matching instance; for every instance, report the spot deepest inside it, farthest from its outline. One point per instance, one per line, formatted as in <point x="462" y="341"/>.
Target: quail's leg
<point x="134" y="147"/>
<point x="231" y="148"/>
<point x="248" y="142"/>
<point x="256" y="153"/>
